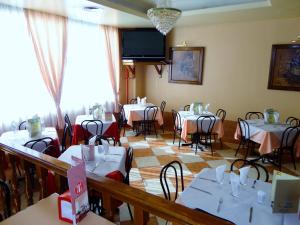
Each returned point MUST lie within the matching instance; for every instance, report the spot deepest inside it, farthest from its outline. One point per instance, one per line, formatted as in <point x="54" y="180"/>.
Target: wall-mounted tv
<point x="143" y="44"/>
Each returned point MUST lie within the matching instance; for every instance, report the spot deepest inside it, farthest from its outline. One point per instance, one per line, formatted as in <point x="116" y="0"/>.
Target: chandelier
<point x="163" y="17"/>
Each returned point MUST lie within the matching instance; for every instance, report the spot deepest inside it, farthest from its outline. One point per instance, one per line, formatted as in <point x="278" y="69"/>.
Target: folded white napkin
<point x="85" y="152"/>
<point x="220" y="173"/>
<point x="92" y="140"/>
<point x="244" y="174"/>
<point x="144" y="100"/>
<point x="235" y="184"/>
<point x="138" y="99"/>
<point x="110" y="158"/>
<point x="105" y="147"/>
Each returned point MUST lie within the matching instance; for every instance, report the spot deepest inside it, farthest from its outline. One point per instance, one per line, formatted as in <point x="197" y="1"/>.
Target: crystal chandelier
<point x="163" y="17"/>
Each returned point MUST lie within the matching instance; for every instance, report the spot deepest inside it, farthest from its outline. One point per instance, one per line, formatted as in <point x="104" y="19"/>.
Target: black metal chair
<point x="186" y="107"/>
<point x="292" y="121"/>
<point x="177" y="127"/>
<point x="254" y="115"/>
<point x="148" y="121"/>
<point x="128" y="166"/>
<point x="91" y="128"/>
<point x="245" y="137"/>
<point x="22" y="125"/>
<point x="122" y="121"/>
<point x="133" y="101"/>
<point x="99" y="139"/>
<point x="39" y="144"/>
<point x="162" y="109"/>
<point x="287" y="143"/>
<point x="173" y="166"/>
<point x="5" y="193"/>
<point x="221" y="113"/>
<point x="239" y="163"/>
<point x="68" y="132"/>
<point x="203" y="135"/>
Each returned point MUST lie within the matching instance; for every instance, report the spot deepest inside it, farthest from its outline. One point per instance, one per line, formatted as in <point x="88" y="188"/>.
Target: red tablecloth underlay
<point x="79" y="133"/>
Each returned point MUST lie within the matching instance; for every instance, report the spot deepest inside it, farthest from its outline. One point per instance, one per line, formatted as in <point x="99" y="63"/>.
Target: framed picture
<point x="285" y="67"/>
<point x="186" y="65"/>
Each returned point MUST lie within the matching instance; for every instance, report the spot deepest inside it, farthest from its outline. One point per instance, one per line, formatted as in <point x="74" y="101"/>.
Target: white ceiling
<point x="132" y="13"/>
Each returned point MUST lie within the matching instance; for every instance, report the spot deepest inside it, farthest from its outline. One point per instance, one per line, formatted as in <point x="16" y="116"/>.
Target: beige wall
<point x="236" y="69"/>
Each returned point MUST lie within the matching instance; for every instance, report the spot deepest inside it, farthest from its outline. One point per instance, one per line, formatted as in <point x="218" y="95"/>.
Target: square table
<point x="234" y="209"/>
<point x="267" y="135"/>
<point x="189" y="124"/>
<point x="110" y="128"/>
<point x="45" y="212"/>
<point x="135" y="112"/>
<point x="103" y="164"/>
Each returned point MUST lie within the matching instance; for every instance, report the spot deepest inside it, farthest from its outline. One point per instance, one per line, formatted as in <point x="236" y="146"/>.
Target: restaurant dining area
<point x="150" y="112"/>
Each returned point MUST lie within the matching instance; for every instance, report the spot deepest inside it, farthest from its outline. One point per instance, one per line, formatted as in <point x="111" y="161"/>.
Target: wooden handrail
<point x="144" y="203"/>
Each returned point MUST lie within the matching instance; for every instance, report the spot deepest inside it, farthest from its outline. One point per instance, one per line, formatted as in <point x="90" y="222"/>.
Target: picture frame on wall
<point x="186" y="65"/>
<point x="285" y="67"/>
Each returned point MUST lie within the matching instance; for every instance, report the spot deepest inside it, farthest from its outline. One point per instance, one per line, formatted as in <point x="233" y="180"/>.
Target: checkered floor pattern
<point x="152" y="154"/>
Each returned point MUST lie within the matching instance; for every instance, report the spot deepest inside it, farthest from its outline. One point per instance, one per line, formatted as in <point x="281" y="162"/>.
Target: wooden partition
<point x="143" y="202"/>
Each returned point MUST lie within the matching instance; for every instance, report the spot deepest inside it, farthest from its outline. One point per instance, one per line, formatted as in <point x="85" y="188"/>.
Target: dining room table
<point x="21" y="137"/>
<point x="205" y="194"/>
<point x="135" y="112"/>
<point x="103" y="164"/>
<point x="110" y="128"/>
<point x="189" y="124"/>
<point x="267" y="135"/>
<point x="45" y="212"/>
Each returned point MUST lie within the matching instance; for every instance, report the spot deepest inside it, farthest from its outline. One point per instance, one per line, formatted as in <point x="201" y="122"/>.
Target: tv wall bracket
<point x="157" y="65"/>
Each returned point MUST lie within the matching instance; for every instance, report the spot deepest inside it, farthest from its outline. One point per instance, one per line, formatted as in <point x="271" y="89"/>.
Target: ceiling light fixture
<point x="163" y="17"/>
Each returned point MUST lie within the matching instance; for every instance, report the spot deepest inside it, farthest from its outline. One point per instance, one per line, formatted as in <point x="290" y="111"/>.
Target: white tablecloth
<point x="103" y="164"/>
<point x="20" y="137"/>
<point x="92" y="126"/>
<point x="135" y="112"/>
<point x="235" y="209"/>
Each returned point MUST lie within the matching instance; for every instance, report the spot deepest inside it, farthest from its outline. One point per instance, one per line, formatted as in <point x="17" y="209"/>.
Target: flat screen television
<point x="143" y="44"/>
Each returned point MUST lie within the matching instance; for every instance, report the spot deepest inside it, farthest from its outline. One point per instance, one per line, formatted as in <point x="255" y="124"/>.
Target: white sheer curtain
<point x="22" y="92"/>
<point x="86" y="79"/>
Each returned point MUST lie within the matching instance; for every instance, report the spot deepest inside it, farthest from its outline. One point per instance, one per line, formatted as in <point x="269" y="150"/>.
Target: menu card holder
<point x="73" y="205"/>
<point x="285" y="193"/>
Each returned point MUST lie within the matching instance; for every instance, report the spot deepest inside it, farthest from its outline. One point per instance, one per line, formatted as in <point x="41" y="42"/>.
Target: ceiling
<point x="132" y="13"/>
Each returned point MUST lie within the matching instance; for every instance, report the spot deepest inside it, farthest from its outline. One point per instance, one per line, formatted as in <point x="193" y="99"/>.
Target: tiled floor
<point x="152" y="154"/>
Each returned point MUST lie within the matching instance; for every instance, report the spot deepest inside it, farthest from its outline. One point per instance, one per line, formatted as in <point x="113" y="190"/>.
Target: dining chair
<point x="39" y="144"/>
<point x="254" y="115"/>
<point x="170" y="169"/>
<point x="122" y="121"/>
<point x="221" y="113"/>
<point x="5" y="197"/>
<point x="260" y="169"/>
<point x="99" y="139"/>
<point x="244" y="137"/>
<point x="133" y="101"/>
<point x="292" y="121"/>
<point x="128" y="166"/>
<point x="91" y="128"/>
<point x="203" y="135"/>
<point x="287" y="143"/>
<point x="177" y="127"/>
<point x="162" y="109"/>
<point x="186" y="107"/>
<point x="68" y="132"/>
<point x="22" y="125"/>
<point x="148" y="121"/>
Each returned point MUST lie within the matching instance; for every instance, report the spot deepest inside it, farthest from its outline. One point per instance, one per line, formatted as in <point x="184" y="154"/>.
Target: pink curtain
<point x="111" y="38"/>
<point x="49" y="37"/>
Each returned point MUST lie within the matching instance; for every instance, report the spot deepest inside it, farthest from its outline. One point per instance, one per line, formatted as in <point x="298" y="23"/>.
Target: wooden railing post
<point x="107" y="205"/>
<point x="2" y="161"/>
<point x="140" y="216"/>
<point x="29" y="176"/>
<point x="42" y="178"/>
<point x="14" y="184"/>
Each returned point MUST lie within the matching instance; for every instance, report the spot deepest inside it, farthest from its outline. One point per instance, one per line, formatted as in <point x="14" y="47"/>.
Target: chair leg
<point x="293" y="158"/>
<point x="238" y="148"/>
<point x="130" y="213"/>
<point x="154" y="128"/>
<point x="221" y="142"/>
<point x="179" y="142"/>
<point x="174" y="135"/>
